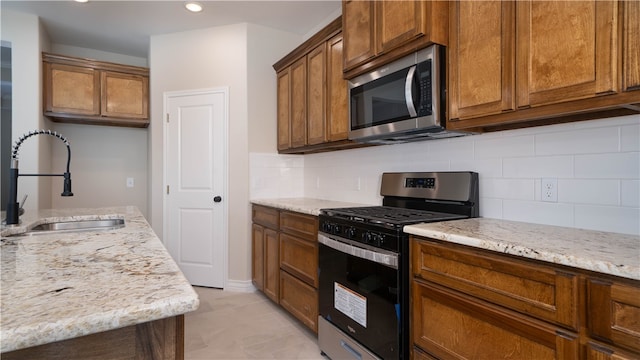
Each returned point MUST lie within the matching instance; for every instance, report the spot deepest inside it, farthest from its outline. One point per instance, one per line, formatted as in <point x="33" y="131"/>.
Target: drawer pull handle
<point x="351" y="350"/>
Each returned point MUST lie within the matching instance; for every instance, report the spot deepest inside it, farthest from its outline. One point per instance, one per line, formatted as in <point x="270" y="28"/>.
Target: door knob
<point x="217" y="199"/>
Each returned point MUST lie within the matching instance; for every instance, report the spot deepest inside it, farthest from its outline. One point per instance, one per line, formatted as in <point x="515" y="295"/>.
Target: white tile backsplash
<point x="624" y="165"/>
<point x="597" y="164"/>
<point x="630" y="193"/>
<point x="516" y="146"/>
<point x="591" y="191"/>
<point x="630" y="138"/>
<point x="608" y="218"/>
<point x="560" y="166"/>
<point x="578" y="141"/>
<point x="538" y="212"/>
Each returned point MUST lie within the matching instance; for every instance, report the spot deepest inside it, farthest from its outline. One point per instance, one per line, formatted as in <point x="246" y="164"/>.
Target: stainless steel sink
<point x="76" y="225"/>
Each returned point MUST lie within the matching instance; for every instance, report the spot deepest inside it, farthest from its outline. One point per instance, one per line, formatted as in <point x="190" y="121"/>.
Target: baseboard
<point x="240" y="286"/>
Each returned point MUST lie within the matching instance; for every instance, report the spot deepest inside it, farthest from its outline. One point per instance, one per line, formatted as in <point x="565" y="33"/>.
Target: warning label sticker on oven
<point x="350" y="303"/>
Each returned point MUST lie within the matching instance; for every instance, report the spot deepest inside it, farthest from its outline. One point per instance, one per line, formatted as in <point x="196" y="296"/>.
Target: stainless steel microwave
<point x="402" y="101"/>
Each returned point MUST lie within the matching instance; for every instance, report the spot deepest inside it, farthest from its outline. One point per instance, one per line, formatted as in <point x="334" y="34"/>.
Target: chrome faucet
<point x="13" y="208"/>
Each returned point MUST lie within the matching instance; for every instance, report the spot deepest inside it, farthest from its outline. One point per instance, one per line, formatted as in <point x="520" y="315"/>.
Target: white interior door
<point x="195" y="175"/>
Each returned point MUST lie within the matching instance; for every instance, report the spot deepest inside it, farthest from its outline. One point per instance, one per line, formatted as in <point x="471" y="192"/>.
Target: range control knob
<point x="350" y="232"/>
<point x="337" y="229"/>
<point x="370" y="238"/>
<point x="382" y="240"/>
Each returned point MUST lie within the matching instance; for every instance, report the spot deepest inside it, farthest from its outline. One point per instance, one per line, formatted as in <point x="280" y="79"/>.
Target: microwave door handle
<point x="408" y="93"/>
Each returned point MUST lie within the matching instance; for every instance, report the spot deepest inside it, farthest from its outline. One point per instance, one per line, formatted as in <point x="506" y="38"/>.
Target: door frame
<point x="225" y="165"/>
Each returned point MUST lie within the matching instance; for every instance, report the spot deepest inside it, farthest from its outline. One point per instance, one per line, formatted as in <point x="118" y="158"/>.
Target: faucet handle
<point x="21" y="208"/>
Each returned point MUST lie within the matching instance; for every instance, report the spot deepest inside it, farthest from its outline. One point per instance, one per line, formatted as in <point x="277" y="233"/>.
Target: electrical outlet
<point x="129" y="182"/>
<point x="549" y="189"/>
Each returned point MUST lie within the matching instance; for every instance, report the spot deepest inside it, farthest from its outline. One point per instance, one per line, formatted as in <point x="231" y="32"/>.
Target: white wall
<point x="240" y="57"/>
<point x="102" y="157"/>
<point x="596" y="163"/>
<point x="27" y="38"/>
<point x="98" y="55"/>
<point x="265" y="46"/>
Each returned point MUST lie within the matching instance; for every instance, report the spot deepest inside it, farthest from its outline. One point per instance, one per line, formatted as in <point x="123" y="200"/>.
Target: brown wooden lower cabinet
<point x="300" y="299"/>
<point x="469" y="303"/>
<point x="450" y="325"/>
<point x="158" y="340"/>
<point x="285" y="260"/>
<point x="613" y="313"/>
<point x="265" y="251"/>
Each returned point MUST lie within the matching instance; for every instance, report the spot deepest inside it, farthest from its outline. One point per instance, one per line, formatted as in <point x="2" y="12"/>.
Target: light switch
<point x="129" y="182"/>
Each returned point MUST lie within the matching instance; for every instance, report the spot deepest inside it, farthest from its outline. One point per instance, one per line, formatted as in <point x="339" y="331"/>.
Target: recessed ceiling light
<point x="193" y="6"/>
<point x="81" y="1"/>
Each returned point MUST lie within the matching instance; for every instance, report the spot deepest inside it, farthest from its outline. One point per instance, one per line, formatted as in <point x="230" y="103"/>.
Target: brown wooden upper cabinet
<point x="312" y="95"/>
<point x="93" y="92"/>
<point x="530" y="61"/>
<point x="377" y="32"/>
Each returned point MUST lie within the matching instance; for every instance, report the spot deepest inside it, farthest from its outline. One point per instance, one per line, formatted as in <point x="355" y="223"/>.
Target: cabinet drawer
<point x="300" y="258"/>
<point x="265" y="216"/>
<point x="300" y="225"/>
<point x="300" y="299"/>
<point x="613" y="313"/>
<point x="450" y="325"/>
<point x="533" y="289"/>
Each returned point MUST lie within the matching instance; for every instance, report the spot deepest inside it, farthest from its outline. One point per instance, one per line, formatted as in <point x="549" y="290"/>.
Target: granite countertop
<point x="65" y="285"/>
<point x="604" y="252"/>
<point x="308" y="206"/>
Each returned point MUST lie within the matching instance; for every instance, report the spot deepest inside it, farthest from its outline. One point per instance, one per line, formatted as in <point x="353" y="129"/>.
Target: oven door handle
<point x="381" y="257"/>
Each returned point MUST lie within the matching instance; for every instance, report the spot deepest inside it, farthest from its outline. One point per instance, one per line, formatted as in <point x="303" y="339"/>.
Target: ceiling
<point x="124" y="27"/>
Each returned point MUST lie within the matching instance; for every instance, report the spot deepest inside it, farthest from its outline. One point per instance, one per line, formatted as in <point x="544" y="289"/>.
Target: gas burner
<point x="389" y="215"/>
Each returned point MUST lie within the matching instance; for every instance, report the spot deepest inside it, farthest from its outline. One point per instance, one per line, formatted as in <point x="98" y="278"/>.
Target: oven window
<point x="361" y="298"/>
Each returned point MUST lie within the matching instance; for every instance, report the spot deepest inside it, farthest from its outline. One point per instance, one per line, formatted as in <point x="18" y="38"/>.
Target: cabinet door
<point x="358" y="28"/>
<point x="481" y="58"/>
<point x="534" y="289"/>
<point x="631" y="45"/>
<point x="337" y="109"/>
<point x="300" y="225"/>
<point x="566" y="50"/>
<point x="613" y="313"/>
<point x="450" y="325"/>
<point x="124" y="95"/>
<point x="265" y="216"/>
<point x="299" y="258"/>
<point x="300" y="299"/>
<point x="257" y="256"/>
<point x="71" y="89"/>
<point x="317" y="64"/>
<point x="398" y="22"/>
<point x="284" y="109"/>
<point x="299" y="103"/>
<point x="271" y="265"/>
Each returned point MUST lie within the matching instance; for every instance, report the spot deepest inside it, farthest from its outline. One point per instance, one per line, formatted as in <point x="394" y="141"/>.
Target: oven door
<point x="359" y="294"/>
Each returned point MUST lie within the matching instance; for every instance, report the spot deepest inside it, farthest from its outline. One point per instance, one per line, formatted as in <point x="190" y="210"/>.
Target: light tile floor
<point x="231" y="325"/>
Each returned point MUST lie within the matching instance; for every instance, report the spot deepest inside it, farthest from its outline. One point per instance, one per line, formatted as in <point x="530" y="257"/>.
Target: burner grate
<point x="391" y="215"/>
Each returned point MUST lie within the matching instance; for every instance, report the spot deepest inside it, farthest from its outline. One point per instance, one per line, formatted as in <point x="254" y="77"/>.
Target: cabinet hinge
<point x="167" y="189"/>
<point x="167" y="117"/>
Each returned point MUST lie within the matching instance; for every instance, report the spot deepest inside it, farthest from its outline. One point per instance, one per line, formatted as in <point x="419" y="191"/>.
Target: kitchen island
<point x="111" y="293"/>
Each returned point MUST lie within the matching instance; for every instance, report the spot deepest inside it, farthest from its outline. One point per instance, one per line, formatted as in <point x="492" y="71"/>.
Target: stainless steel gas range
<point x="364" y="262"/>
